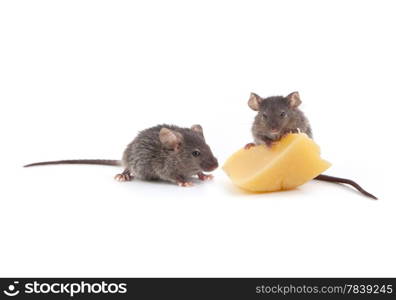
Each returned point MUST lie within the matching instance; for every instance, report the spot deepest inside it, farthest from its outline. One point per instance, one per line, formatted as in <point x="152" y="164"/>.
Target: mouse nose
<point x="215" y="164"/>
<point x="212" y="165"/>
<point x="274" y="130"/>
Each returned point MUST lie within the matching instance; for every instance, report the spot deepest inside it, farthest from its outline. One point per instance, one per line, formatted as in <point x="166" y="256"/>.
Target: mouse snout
<point x="210" y="165"/>
<point x="215" y="164"/>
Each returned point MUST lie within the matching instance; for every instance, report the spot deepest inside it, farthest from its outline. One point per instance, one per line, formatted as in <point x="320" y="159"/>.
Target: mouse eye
<point x="264" y="116"/>
<point x="196" y="153"/>
<point x="282" y="114"/>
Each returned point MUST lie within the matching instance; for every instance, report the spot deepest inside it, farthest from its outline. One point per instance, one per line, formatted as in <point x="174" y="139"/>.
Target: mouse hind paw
<point x="124" y="176"/>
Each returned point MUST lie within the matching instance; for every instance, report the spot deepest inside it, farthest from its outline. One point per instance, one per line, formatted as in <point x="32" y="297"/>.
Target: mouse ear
<point x="170" y="138"/>
<point x="197" y="128"/>
<point x="294" y="99"/>
<point x="254" y="101"/>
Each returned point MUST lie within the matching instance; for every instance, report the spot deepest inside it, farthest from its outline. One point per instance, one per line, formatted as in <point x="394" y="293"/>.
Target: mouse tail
<point x="346" y="181"/>
<point x="103" y="162"/>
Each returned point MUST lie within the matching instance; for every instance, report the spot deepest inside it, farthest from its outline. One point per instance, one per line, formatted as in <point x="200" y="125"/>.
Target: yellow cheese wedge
<point x="292" y="161"/>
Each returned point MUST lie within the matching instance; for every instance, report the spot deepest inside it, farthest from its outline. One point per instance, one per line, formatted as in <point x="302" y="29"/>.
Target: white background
<point x="78" y="79"/>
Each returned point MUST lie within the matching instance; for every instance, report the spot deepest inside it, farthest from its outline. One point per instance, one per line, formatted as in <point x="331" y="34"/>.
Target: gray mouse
<point x="278" y="116"/>
<point x="163" y="152"/>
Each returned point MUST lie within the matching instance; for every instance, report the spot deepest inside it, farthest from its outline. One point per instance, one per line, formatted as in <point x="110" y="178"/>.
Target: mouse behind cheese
<point x="163" y="152"/>
<point x="278" y="116"/>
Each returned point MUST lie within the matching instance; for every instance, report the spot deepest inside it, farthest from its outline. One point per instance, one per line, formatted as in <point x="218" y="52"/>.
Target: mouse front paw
<point x="249" y="145"/>
<point x="268" y="143"/>
<point x="185" y="183"/>
<point x="204" y="177"/>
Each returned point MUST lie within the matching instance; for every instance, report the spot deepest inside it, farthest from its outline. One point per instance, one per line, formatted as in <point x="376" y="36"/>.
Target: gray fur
<point x="294" y="121"/>
<point x="269" y="117"/>
<point x="162" y="152"/>
<point x="149" y="159"/>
